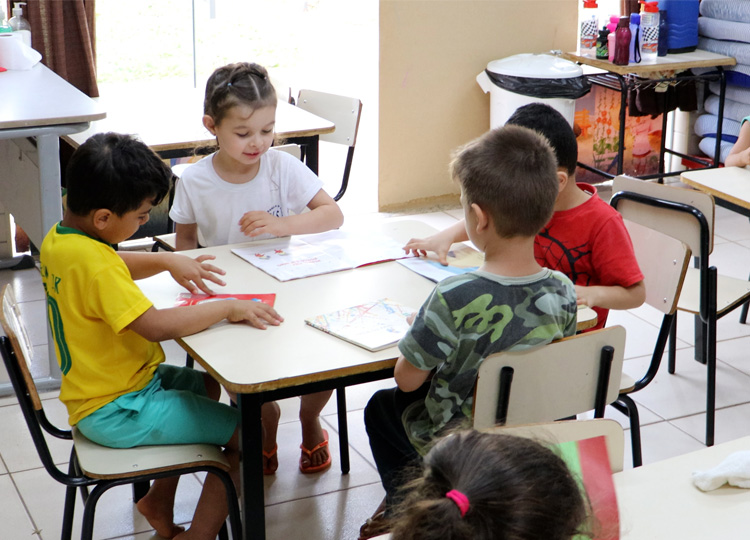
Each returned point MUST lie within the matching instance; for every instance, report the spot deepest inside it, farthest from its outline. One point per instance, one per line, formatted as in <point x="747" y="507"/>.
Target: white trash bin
<point x="529" y="78"/>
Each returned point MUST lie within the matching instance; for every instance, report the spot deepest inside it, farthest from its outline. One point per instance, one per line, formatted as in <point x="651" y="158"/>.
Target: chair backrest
<point x="574" y="430"/>
<point x="550" y="382"/>
<point x="664" y="261"/>
<point x="343" y="111"/>
<point x="293" y="149"/>
<point x="679" y="225"/>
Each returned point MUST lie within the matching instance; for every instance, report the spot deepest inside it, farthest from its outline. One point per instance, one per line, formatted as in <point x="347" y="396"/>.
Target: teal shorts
<point x="172" y="409"/>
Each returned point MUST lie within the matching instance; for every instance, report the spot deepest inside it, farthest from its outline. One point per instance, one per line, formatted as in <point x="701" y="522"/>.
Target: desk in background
<point x="170" y="122"/>
<point x="651" y="71"/>
<point x="730" y="186"/>
<point x="295" y="359"/>
<point x="37" y="107"/>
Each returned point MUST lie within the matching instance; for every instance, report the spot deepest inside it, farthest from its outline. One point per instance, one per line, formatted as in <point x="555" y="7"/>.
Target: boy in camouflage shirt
<point x="508" y="186"/>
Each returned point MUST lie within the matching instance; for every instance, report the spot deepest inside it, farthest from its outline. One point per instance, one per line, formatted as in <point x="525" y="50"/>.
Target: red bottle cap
<point x="651" y="7"/>
<point x="590" y="4"/>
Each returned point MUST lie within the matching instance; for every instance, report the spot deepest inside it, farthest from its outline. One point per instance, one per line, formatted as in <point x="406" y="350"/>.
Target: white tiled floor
<point x="333" y="506"/>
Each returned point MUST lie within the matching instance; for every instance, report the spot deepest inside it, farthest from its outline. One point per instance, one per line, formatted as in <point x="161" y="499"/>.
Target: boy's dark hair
<point x="116" y="172"/>
<point x="517" y="490"/>
<point x="549" y="122"/>
<point x="510" y="172"/>
<point x="242" y="83"/>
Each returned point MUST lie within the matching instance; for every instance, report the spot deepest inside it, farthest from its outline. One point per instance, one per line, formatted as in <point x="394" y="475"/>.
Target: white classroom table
<point x="37" y="107"/>
<point x="730" y="186"/>
<point x="294" y="358"/>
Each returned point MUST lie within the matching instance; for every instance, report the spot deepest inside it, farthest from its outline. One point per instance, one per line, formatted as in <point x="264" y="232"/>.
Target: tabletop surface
<point x="671" y="62"/>
<point x="729" y="183"/>
<point x="246" y="359"/>
<point x="40" y="97"/>
<point x="172" y="120"/>
<point x="660" y="501"/>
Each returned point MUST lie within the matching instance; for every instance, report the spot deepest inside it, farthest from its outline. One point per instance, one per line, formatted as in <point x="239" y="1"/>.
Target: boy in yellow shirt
<point x="115" y="385"/>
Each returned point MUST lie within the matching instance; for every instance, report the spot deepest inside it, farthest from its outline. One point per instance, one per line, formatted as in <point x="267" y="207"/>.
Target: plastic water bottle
<point x="622" y="42"/>
<point x="663" y="48"/>
<point x="635" y="46"/>
<point x="649" y="30"/>
<point x="602" y="44"/>
<point x="612" y="26"/>
<point x="589" y="28"/>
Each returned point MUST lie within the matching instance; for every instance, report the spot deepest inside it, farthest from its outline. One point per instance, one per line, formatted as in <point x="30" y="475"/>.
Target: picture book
<point x="189" y="299"/>
<point x="373" y="326"/>
<point x="461" y="259"/>
<point x="315" y="254"/>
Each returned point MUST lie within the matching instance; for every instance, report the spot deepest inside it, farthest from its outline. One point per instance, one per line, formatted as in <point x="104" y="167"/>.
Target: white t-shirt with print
<point x="283" y="186"/>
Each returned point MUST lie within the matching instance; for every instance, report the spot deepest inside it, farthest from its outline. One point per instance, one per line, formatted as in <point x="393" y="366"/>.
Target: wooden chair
<point x="564" y="378"/>
<point x="168" y="241"/>
<point x="688" y="216"/>
<point x="664" y="262"/>
<point x="92" y="465"/>
<point x="344" y="112"/>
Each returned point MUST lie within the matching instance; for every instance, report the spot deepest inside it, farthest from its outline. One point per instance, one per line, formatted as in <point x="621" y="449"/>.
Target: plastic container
<point x="602" y="44"/>
<point x="649" y="30"/>
<point x="589" y="28"/>
<point x="662" y="49"/>
<point x="20" y="26"/>
<point x="634" y="55"/>
<point x="682" y="16"/>
<point x="612" y="26"/>
<point x="5" y="27"/>
<point x="529" y="78"/>
<point x="622" y="42"/>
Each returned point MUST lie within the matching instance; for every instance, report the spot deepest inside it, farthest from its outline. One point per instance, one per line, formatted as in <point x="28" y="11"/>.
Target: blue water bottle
<point x="683" y="24"/>
<point x="663" y="34"/>
<point x="635" y="43"/>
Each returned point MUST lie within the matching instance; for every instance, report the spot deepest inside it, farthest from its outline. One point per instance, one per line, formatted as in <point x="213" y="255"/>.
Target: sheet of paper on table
<point x="373" y="325"/>
<point x="314" y="254"/>
<point x="461" y="259"/>
<point x="189" y="299"/>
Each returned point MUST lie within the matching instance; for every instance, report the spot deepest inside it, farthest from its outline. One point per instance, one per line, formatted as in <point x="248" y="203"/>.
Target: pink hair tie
<point x="461" y="500"/>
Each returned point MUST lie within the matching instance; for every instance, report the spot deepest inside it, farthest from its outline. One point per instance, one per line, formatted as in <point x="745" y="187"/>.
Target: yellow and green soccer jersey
<point x="91" y="300"/>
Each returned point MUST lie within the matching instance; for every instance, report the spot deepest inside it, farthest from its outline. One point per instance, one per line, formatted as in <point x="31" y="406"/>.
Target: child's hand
<point x="258" y="222"/>
<point x="586" y="296"/>
<point x="437" y="243"/>
<point x="257" y="314"/>
<point x="191" y="273"/>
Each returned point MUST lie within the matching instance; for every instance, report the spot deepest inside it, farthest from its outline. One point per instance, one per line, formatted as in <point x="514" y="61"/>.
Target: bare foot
<point x="159" y="516"/>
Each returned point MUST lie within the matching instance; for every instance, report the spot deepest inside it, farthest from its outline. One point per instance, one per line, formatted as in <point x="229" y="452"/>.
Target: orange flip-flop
<point x="268" y="455"/>
<point x="310" y="469"/>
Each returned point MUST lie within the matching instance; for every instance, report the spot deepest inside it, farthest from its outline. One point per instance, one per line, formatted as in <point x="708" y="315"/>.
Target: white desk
<point x="729" y="185"/>
<point x="169" y="122"/>
<point x="36" y="108"/>
<point x="659" y="501"/>
<point x="294" y="358"/>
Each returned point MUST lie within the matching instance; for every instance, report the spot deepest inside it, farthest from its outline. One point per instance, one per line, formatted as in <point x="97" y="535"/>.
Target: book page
<point x="373" y="326"/>
<point x="461" y="259"/>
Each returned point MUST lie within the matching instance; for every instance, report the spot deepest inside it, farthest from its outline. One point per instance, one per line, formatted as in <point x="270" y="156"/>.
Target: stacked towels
<point x="724" y="28"/>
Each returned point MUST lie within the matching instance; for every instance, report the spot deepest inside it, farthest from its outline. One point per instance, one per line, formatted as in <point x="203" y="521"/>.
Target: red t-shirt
<point x="590" y="245"/>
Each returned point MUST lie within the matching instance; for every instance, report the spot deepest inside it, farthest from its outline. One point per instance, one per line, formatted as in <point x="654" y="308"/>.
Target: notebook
<point x="373" y="326"/>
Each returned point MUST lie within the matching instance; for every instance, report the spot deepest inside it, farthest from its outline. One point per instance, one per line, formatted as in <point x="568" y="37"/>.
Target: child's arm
<point x="612" y="297"/>
<point x="409" y="378"/>
<point x="162" y="324"/>
<point x="186" y="236"/>
<point x="324" y="215"/>
<point x="189" y="273"/>
<point x="440" y="242"/>
<point x="739" y="156"/>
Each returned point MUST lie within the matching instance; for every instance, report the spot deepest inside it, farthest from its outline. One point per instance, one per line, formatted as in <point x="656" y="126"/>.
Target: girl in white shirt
<point x="244" y="191"/>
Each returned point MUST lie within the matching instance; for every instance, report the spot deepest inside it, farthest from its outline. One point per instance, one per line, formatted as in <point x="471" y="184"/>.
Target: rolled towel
<point x="707" y="145"/>
<point x="733" y="110"/>
<point x="738" y="75"/>
<point x="735" y="93"/>
<point x="705" y="126"/>
<point x="723" y="29"/>
<point x="734" y="470"/>
<point x="739" y="51"/>
<point x="728" y="10"/>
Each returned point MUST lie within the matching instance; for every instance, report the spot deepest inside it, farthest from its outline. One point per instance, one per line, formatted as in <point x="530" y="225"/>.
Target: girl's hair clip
<point x="229" y="84"/>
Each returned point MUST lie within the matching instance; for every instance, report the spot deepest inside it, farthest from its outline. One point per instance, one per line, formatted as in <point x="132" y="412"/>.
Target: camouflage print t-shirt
<point x="467" y="318"/>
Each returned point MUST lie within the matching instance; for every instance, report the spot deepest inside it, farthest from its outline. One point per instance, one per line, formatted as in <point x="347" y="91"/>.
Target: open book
<point x="313" y="254"/>
<point x="461" y="259"/>
<point x="373" y="326"/>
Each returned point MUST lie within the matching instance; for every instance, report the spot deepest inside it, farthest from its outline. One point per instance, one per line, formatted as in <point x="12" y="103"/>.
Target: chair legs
<point x="627" y="406"/>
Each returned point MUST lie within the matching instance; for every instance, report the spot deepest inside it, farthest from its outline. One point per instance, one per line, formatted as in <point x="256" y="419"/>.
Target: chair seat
<point x="731" y="293"/>
<point x="98" y="461"/>
<point x="627" y="384"/>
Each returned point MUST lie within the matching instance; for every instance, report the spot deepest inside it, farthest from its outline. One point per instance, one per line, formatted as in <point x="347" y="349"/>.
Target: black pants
<point x="395" y="457"/>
